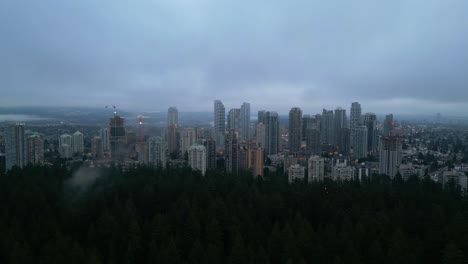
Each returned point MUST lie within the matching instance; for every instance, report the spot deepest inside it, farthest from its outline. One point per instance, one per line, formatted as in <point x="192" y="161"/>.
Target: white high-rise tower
<point x="245" y="121"/>
<point x="219" y="123"/>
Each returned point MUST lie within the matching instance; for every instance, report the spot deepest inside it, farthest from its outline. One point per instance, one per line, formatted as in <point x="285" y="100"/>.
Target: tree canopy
<point x="151" y="215"/>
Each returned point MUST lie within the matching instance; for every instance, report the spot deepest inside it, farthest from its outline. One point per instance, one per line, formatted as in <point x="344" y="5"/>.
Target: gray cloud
<point x="400" y="56"/>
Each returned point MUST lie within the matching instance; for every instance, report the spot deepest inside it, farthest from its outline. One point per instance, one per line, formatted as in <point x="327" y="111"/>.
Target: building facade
<point x="272" y="133"/>
<point x="34" y="149"/>
<point x="295" y="129"/>
<point x="210" y="146"/>
<point x="197" y="158"/>
<point x="370" y="121"/>
<point x="78" y="142"/>
<point x="355" y="115"/>
<point x="388" y="125"/>
<point x="341" y="170"/>
<point x="231" y="149"/>
<point x="359" y="142"/>
<point x="390" y="155"/>
<point x="245" y="121"/>
<point x="296" y="172"/>
<point x="15" y="149"/>
<point x="339" y="123"/>
<point x="187" y="139"/>
<point x="316" y="169"/>
<point x="173" y="140"/>
<point x="255" y="160"/>
<point x="233" y="120"/>
<point x="97" y="148"/>
<point x="219" y="122"/>
<point x="104" y="133"/>
<point x="312" y="138"/>
<point x="65" y="146"/>
<point x="172" y="116"/>
<point x="327" y="127"/>
<point x="157" y="151"/>
<point x="117" y="138"/>
<point x="260" y="136"/>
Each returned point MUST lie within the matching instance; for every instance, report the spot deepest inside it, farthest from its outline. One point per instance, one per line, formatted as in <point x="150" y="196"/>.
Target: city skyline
<point x="179" y="131"/>
<point x="407" y="56"/>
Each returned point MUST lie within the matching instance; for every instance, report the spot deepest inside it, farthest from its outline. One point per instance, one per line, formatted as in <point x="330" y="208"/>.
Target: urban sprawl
<point x="306" y="148"/>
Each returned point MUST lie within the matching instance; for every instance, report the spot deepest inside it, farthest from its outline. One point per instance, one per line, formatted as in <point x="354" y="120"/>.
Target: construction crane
<point x="140" y="126"/>
<point x="113" y="107"/>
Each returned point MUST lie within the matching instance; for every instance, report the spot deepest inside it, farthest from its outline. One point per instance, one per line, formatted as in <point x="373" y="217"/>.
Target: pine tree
<point x="452" y="255"/>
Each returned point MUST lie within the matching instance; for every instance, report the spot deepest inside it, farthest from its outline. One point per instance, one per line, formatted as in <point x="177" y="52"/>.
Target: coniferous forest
<point x="149" y="215"/>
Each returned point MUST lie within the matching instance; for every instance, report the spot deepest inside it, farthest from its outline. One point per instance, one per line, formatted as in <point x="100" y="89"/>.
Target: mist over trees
<point x="150" y="215"/>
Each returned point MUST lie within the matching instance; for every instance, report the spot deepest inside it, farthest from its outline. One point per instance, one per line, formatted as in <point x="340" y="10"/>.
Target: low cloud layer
<point x="399" y="56"/>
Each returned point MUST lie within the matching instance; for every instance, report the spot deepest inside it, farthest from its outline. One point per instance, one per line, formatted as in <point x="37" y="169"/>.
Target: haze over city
<point x="405" y="57"/>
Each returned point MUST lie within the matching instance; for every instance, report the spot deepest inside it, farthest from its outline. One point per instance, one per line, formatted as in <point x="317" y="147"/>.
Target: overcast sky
<point x="400" y="56"/>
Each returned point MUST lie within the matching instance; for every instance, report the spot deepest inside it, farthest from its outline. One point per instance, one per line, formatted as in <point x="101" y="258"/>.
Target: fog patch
<point x="83" y="179"/>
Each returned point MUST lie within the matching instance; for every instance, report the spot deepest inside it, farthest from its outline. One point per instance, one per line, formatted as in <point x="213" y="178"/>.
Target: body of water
<point x="19" y="118"/>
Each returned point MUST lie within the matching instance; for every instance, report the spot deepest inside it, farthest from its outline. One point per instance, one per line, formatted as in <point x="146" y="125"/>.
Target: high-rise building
<point x="359" y="142"/>
<point x="340" y="123"/>
<point x="157" y="155"/>
<point x="104" y="133"/>
<point x="231" y="148"/>
<point x="318" y="121"/>
<point x="316" y="169"/>
<point x="389" y="155"/>
<point x="261" y="117"/>
<point x="15" y="149"/>
<point x="296" y="172"/>
<point x="355" y="120"/>
<point x="200" y="133"/>
<point x="345" y="140"/>
<point x="172" y="116"/>
<point x="131" y="144"/>
<point x="210" y="146"/>
<point x="245" y="121"/>
<point x="327" y="127"/>
<point x="256" y="160"/>
<point x="260" y="135"/>
<point x="388" y="125"/>
<point x="117" y="138"/>
<point x="197" y="158"/>
<point x="242" y="156"/>
<point x="355" y="116"/>
<point x="97" y="149"/>
<point x="233" y="120"/>
<point x="313" y="141"/>
<point x="271" y="133"/>
<point x="65" y="146"/>
<point x="219" y="123"/>
<point x="34" y="149"/>
<point x="370" y="120"/>
<point x="78" y="142"/>
<point x="65" y="139"/>
<point x="295" y="129"/>
<point x="307" y="122"/>
<point x="187" y="139"/>
<point x="131" y="137"/>
<point x="172" y="138"/>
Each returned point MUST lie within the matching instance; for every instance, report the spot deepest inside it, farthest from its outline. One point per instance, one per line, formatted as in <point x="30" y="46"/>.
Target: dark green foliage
<point x="452" y="255"/>
<point x="150" y="215"/>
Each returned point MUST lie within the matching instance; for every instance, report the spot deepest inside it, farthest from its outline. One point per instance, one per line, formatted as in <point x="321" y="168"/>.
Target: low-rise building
<point x="341" y="170"/>
<point x="296" y="172"/>
<point x="316" y="169"/>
